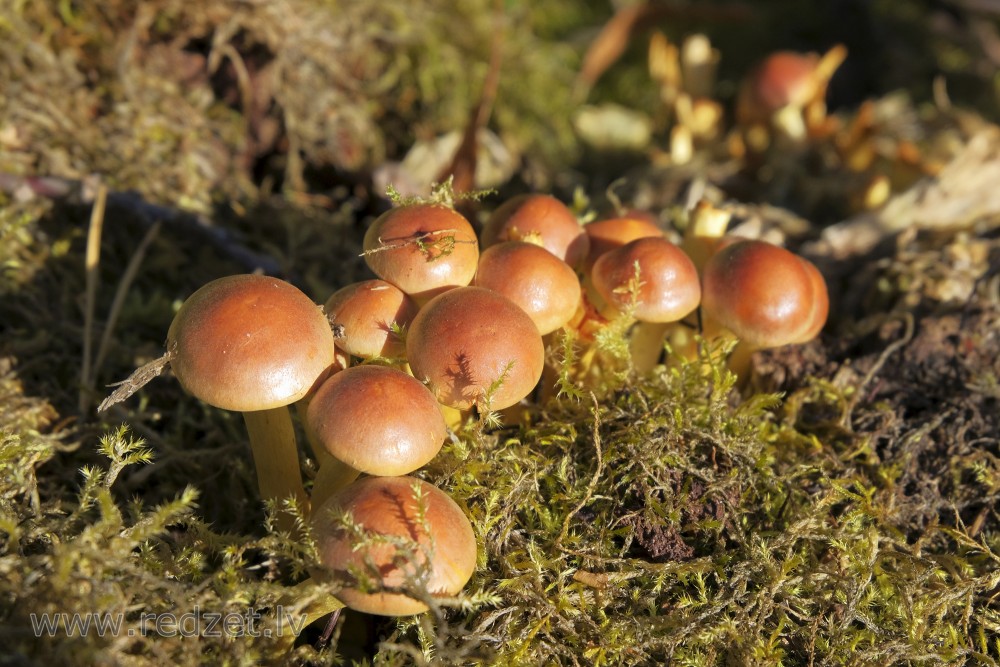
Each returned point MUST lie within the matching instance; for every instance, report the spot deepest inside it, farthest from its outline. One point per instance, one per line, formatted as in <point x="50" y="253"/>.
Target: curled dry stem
<point x="139" y="378"/>
<point x="425" y="242"/>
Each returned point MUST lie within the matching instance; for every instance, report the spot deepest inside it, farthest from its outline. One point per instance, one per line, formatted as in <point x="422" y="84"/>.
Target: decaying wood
<point x="962" y="194"/>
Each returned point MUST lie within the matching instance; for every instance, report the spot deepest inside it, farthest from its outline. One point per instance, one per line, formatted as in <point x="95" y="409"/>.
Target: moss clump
<point x="229" y="97"/>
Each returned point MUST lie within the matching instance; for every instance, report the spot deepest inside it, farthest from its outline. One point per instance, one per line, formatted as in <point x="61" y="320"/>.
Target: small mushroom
<point x="255" y="344"/>
<point x="653" y="280"/>
<point x="366" y="313"/>
<point x="606" y="235"/>
<point x="540" y="219"/>
<point x="408" y="537"/>
<point x="423" y="249"/>
<point x="544" y="286"/>
<point x="374" y="419"/>
<point x="786" y="91"/>
<point x="475" y="347"/>
<point x="763" y="294"/>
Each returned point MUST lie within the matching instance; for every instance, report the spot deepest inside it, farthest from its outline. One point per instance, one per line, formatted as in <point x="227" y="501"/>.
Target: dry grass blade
<point x="121" y="292"/>
<point x="92" y="265"/>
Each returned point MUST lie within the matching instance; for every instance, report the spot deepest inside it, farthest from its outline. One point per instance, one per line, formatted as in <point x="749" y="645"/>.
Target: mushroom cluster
<point x="383" y="370"/>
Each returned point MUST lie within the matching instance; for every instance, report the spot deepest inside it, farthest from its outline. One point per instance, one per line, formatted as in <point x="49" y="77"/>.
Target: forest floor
<point x="838" y="506"/>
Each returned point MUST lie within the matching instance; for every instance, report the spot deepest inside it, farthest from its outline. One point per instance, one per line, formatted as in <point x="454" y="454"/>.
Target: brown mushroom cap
<point x="544" y="286"/>
<point x="668" y="288"/>
<point x="820" y="300"/>
<point x="606" y="235"/>
<point x="377" y="419"/>
<point x="467" y="339"/>
<point x="787" y="82"/>
<point x="366" y="311"/>
<point x="783" y="78"/>
<point x="249" y="342"/>
<point x="389" y="508"/>
<point x="543" y="216"/>
<point x="764" y="294"/>
<point x="422" y="249"/>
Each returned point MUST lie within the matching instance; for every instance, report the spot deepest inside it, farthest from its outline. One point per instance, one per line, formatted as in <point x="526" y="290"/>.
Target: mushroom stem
<point x="707" y="225"/>
<point x="276" y="458"/>
<point x="646" y="344"/>
<point x="292" y="618"/>
<point x="453" y="417"/>
<point x="333" y="476"/>
<point x="740" y="363"/>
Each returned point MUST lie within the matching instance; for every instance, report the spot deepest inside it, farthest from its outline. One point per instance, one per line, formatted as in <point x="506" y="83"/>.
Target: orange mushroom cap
<point x="417" y="534"/>
<point x="465" y="341"/>
<point x="821" y="303"/>
<point x="783" y="78"/>
<point x="250" y="342"/>
<point x="544" y="286"/>
<point x="543" y="216"/>
<point x="606" y="235"/>
<point x="665" y="289"/>
<point x="766" y="295"/>
<point x="377" y="419"/>
<point x="366" y="312"/>
<point x="423" y="249"/>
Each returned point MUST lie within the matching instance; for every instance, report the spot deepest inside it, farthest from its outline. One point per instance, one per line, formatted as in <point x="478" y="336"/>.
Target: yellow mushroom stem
<point x="740" y="362"/>
<point x="332" y="474"/>
<point x="301" y="606"/>
<point x="276" y="458"/>
<point x="646" y="344"/>
<point x="453" y="417"/>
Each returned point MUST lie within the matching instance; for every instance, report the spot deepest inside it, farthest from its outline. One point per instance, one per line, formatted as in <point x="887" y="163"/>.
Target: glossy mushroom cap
<point x="470" y="338"/>
<point x="544" y="286"/>
<point x="606" y="235"/>
<point x="400" y="546"/>
<point x="377" y="419"/>
<point x="249" y="343"/>
<point x="365" y="313"/>
<point x="766" y="295"/>
<point x="541" y="216"/>
<point x="667" y="290"/>
<point x="820" y="300"/>
<point x="423" y="249"/>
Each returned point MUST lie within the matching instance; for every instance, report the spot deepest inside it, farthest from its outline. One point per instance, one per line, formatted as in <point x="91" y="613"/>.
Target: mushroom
<point x="544" y="286"/>
<point x="606" y="235"/>
<point x="473" y="346"/>
<point x="653" y="281"/>
<point x="390" y="540"/>
<point x="540" y="219"/>
<point x="369" y="314"/>
<point x="786" y="91"/>
<point x="254" y="344"/>
<point x="763" y="294"/>
<point x="423" y="249"/>
<point x="373" y="419"/>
